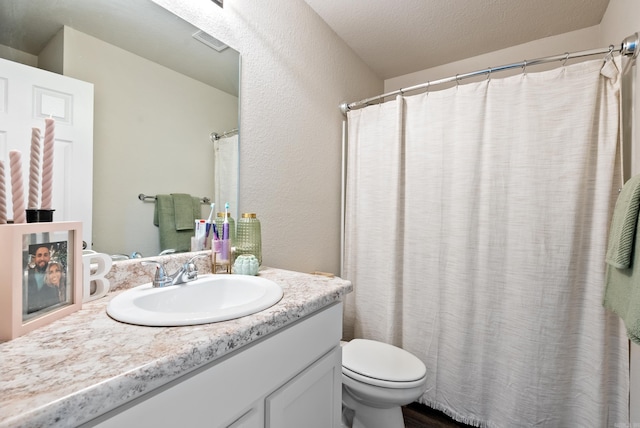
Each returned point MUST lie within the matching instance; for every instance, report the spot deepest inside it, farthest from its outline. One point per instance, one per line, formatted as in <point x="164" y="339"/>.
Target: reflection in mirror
<point x="161" y="88"/>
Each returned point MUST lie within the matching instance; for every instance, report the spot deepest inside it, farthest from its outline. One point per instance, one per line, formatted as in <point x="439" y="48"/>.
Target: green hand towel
<point x="623" y="225"/>
<point x="164" y="218"/>
<point x="622" y="292"/>
<point x="183" y="211"/>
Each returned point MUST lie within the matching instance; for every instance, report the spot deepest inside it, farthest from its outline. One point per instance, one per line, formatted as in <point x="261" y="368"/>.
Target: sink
<point x="210" y="298"/>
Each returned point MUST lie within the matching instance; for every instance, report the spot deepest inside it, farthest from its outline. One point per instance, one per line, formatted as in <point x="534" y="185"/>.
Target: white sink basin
<point x="210" y="298"/>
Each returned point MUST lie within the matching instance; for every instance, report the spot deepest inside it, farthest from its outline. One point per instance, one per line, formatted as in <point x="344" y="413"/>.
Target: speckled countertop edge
<point x="86" y="364"/>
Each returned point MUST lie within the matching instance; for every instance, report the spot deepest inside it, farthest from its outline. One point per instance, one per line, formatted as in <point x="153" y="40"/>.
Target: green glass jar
<point x="249" y="239"/>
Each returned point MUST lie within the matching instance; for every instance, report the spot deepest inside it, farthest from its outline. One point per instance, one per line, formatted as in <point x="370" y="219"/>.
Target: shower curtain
<point x="475" y="232"/>
<point x="226" y="172"/>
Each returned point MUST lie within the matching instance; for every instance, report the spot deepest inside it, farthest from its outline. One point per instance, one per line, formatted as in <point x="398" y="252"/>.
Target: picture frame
<point x="40" y="275"/>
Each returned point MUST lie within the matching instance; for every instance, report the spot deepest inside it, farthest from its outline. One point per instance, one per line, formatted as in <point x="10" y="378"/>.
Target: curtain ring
<point x="428" y="86"/>
<point x="566" y="57"/>
<point x="457" y="81"/>
<point x="609" y="54"/>
<point x="489" y="74"/>
<point x="524" y="67"/>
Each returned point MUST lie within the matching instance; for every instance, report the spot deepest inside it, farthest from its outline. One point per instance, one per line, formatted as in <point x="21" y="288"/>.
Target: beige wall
<point x="295" y="72"/>
<point x="51" y="57"/>
<point x="18" y="56"/>
<point x="588" y="38"/>
<point x="152" y="128"/>
<point x="622" y="19"/>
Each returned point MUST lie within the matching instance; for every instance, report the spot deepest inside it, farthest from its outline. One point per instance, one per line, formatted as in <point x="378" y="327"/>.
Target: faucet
<point x="187" y="272"/>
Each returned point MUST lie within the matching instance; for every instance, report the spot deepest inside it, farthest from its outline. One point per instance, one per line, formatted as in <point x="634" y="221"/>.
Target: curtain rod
<point x="214" y="136"/>
<point x="628" y="47"/>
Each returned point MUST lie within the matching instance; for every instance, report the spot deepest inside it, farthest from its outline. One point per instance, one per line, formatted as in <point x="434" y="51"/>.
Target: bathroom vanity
<point x="277" y="368"/>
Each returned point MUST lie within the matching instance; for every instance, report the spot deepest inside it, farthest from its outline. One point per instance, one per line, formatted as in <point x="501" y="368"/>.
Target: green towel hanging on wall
<point x="622" y="280"/>
<point x="175" y="215"/>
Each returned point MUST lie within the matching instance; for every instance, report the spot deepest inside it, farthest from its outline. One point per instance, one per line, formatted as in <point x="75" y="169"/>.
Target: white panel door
<point x="28" y="95"/>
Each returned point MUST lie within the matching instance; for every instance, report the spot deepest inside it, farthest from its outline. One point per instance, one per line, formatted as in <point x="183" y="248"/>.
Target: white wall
<point x="295" y="72"/>
<point x="152" y="128"/>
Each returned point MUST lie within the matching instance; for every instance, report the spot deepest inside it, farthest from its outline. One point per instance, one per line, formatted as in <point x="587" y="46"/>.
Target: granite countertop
<point x="86" y="364"/>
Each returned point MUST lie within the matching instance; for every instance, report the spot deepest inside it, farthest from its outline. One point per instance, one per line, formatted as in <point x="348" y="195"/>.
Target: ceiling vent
<point x="209" y="40"/>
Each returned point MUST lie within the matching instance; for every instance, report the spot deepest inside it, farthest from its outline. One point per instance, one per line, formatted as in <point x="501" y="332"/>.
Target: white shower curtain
<point x="226" y="172"/>
<point x="475" y="233"/>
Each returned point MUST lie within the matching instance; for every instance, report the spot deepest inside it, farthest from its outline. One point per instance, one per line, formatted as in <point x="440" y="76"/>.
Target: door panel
<point x="29" y="95"/>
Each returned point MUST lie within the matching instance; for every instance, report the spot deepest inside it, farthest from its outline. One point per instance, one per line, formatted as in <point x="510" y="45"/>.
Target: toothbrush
<point x="225" y="224"/>
<point x="206" y="237"/>
<point x="224" y="253"/>
<point x="216" y="234"/>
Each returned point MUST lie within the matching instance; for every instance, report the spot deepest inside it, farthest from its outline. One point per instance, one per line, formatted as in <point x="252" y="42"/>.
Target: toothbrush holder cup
<point x="221" y="256"/>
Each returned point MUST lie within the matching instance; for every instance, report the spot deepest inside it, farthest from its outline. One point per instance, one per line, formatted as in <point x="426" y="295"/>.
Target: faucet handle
<point x="190" y="267"/>
<point x="161" y="278"/>
<point x="197" y="256"/>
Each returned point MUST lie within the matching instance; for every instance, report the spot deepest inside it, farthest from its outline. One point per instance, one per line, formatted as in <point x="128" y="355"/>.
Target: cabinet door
<point x="312" y="399"/>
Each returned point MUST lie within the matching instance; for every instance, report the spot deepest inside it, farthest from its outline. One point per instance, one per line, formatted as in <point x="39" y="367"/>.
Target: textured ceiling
<point x="397" y="37"/>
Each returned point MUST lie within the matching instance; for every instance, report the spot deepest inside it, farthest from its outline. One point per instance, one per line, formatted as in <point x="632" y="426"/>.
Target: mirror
<point x="151" y="136"/>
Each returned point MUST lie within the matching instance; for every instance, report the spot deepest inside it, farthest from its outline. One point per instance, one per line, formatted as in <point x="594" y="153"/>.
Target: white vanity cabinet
<point x="291" y="378"/>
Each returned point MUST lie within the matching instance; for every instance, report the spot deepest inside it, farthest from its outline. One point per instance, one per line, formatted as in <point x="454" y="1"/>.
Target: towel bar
<point x="144" y="198"/>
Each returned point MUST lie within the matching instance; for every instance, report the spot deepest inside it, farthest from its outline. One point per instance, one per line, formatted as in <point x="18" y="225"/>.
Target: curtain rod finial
<point x="630" y="46"/>
<point x="344" y="108"/>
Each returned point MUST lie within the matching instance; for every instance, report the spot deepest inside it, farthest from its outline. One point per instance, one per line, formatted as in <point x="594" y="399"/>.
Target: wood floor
<point x="420" y="416"/>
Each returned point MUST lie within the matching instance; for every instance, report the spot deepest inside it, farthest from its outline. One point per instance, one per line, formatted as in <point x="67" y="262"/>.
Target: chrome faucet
<point x="187" y="272"/>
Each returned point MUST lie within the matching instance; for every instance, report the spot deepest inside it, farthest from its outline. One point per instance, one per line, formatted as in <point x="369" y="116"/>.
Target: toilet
<point x="377" y="379"/>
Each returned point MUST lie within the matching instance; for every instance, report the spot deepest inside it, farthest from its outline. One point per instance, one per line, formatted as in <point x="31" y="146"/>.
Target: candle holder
<point x="39" y="215"/>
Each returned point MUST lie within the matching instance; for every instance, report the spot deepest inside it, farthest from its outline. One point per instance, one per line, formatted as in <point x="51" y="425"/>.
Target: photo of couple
<point x="46" y="276"/>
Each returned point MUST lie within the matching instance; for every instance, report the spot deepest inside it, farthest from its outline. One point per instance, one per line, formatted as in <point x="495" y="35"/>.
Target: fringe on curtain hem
<point x="454" y="415"/>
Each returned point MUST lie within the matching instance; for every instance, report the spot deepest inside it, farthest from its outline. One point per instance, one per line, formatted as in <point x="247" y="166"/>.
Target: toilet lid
<point x="382" y="361"/>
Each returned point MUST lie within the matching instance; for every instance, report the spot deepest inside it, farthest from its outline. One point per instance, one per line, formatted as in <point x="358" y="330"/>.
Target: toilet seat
<point x="381" y="364"/>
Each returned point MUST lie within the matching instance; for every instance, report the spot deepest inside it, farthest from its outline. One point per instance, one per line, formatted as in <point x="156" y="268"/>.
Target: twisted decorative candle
<point x="47" y="164"/>
<point x="34" y="169"/>
<point x="17" y="190"/>
<point x="3" y="196"/>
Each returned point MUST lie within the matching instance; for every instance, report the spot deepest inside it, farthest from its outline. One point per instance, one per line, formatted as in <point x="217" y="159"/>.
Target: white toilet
<point x="377" y="379"/>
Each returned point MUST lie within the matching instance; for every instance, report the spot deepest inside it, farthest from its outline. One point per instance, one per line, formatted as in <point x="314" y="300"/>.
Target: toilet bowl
<point x="377" y="379"/>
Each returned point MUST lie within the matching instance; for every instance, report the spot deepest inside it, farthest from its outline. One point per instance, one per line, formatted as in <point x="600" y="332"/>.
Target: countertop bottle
<point x="249" y="239"/>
